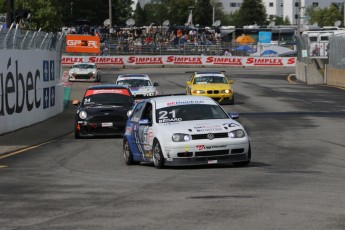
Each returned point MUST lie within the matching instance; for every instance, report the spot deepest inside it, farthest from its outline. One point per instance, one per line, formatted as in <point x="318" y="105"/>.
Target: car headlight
<point x="150" y="94"/>
<point x="226" y="91"/>
<point x="83" y="114"/>
<point x="199" y="91"/>
<point x="180" y="137"/>
<point x="238" y="133"/>
<point x="73" y="73"/>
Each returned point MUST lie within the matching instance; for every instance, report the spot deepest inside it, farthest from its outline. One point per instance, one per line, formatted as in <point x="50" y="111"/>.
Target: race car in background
<point x="103" y="111"/>
<point x="184" y="130"/>
<point x="212" y="84"/>
<point x="84" y="71"/>
<point x="140" y="85"/>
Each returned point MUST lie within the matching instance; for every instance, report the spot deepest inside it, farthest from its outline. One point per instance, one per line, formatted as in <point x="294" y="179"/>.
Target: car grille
<point x="212" y="153"/>
<point x="98" y="119"/>
<point x="204" y="136"/>
<point x="83" y="76"/>
<point x="212" y="91"/>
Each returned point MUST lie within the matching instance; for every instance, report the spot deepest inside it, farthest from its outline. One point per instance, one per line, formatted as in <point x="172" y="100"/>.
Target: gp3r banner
<point x="175" y="60"/>
<point x="82" y="44"/>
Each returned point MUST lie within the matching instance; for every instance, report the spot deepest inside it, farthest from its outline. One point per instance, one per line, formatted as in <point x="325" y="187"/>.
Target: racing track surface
<point x="295" y="180"/>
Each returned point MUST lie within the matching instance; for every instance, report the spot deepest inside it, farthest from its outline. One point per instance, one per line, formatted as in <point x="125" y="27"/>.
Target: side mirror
<point x="76" y="102"/>
<point x="231" y="82"/>
<point x="189" y="82"/>
<point x="155" y="84"/>
<point x="234" y="115"/>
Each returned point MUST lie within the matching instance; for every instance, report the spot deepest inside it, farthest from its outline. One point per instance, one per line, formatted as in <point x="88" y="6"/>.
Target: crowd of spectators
<point x="125" y="39"/>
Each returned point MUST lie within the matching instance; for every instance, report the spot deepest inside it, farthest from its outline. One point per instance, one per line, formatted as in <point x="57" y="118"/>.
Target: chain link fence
<point x="20" y="39"/>
<point x="336" y="52"/>
<point x="303" y="47"/>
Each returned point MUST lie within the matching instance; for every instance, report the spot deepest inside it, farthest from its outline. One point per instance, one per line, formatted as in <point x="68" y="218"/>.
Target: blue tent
<point x="268" y="52"/>
<point x="244" y="48"/>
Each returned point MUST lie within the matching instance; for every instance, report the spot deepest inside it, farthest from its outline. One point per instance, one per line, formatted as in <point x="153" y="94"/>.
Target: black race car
<point x="103" y="111"/>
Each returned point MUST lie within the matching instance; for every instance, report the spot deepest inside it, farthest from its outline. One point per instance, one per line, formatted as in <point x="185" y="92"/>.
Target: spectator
<point x="227" y="53"/>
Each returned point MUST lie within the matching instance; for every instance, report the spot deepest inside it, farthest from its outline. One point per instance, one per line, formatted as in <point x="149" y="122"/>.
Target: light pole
<point x="298" y="16"/>
<point x="110" y="17"/>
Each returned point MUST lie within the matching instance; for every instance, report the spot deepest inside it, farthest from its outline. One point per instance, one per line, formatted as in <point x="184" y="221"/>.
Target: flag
<point x="190" y="19"/>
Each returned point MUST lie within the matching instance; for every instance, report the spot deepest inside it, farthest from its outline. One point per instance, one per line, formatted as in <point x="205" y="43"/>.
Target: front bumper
<point x="203" y="152"/>
<point x="220" y="97"/>
<point x="83" y="77"/>
<point x="86" y="129"/>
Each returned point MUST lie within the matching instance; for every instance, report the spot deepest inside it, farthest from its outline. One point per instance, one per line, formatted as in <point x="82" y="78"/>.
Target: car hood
<point x="210" y="86"/>
<point x="201" y="126"/>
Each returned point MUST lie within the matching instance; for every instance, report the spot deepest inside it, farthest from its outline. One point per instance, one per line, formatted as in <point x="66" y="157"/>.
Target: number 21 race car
<point x="184" y="130"/>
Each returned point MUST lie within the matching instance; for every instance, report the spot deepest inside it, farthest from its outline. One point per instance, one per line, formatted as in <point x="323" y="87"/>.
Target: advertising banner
<point x="82" y="44"/>
<point x="30" y="89"/>
<point x="167" y="60"/>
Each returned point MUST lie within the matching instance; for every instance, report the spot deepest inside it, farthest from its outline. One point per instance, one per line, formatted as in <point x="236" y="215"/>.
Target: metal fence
<point x="336" y="52"/>
<point x="20" y="39"/>
<point x="303" y="47"/>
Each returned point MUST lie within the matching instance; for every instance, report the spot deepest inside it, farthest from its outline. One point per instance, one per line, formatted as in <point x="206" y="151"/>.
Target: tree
<point x="203" y="13"/>
<point x="155" y="13"/>
<point x="139" y="15"/>
<point x="326" y="16"/>
<point x="178" y="11"/>
<point x="251" y="12"/>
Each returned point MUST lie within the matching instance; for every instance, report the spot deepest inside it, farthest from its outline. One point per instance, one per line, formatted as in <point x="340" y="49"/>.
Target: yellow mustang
<point x="212" y="84"/>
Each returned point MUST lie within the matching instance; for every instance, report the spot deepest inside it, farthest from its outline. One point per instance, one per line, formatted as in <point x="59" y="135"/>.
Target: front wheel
<point x="158" y="158"/>
<point x="127" y="155"/>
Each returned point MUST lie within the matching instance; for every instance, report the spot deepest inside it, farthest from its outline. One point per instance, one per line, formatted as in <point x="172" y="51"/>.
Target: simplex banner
<point x="138" y="60"/>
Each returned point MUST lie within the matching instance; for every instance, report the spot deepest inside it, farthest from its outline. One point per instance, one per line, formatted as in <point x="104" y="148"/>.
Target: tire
<point x="244" y="163"/>
<point x="158" y="158"/>
<point x="127" y="155"/>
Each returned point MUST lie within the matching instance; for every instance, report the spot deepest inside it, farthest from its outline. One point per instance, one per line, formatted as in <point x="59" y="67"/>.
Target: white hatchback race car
<point x="84" y="71"/>
<point x="184" y="130"/>
<point x="139" y="84"/>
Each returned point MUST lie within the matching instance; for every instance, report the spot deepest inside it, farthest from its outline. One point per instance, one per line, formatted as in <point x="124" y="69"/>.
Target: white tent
<point x="272" y="51"/>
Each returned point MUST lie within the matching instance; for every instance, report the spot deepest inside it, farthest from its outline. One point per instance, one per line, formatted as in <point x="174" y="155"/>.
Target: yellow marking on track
<point x="24" y="149"/>
<point x="3" y="166"/>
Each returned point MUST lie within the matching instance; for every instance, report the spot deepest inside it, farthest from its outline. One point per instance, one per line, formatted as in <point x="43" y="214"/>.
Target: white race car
<point x="84" y="71"/>
<point x="184" y="130"/>
<point x="139" y="84"/>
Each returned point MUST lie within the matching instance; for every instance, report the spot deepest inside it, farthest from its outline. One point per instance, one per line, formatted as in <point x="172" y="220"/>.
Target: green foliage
<point x="51" y="15"/>
<point x="203" y="13"/>
<point x="326" y="16"/>
<point x="251" y="12"/>
<point x="139" y="15"/>
<point x="155" y="13"/>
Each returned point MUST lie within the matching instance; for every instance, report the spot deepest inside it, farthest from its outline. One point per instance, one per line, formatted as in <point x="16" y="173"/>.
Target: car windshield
<point x="134" y="82"/>
<point x="84" y="66"/>
<point x="107" y="99"/>
<point x="210" y="79"/>
<point x="189" y="112"/>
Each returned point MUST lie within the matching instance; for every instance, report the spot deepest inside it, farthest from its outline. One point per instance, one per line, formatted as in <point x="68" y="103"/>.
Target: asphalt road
<point x="295" y="179"/>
